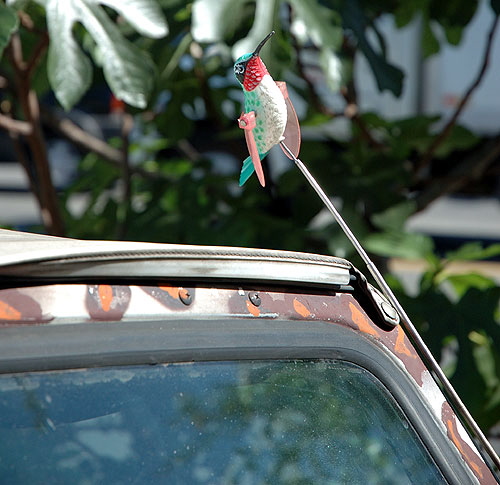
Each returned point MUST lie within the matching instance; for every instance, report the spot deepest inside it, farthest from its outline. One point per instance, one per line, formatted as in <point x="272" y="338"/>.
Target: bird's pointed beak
<point x="256" y="52"/>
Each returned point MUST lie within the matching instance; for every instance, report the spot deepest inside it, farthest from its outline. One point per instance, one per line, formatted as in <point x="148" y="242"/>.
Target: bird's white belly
<point x="270" y="114"/>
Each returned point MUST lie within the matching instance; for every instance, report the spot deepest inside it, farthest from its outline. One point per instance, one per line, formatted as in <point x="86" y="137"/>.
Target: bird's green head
<point x="241" y="64"/>
<point x="240" y="67"/>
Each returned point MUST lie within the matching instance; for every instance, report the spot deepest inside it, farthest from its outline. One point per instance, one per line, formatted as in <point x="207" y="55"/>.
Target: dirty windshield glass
<point x="219" y="422"/>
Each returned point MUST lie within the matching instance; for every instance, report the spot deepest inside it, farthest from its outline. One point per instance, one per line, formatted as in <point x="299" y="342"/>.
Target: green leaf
<point x="175" y="56"/>
<point x="128" y="70"/>
<point x="322" y="24"/>
<point x="405" y="13"/>
<point x="145" y="16"/>
<point x="69" y="69"/>
<point x="399" y="245"/>
<point x="495" y="5"/>
<point x="17" y="4"/>
<point x="323" y="27"/>
<point x="460" y="138"/>
<point x="394" y="217"/>
<point x="333" y="68"/>
<point x="493" y="405"/>
<point x="452" y="12"/>
<point x="463" y="282"/>
<point x="474" y="251"/>
<point x="454" y="34"/>
<point x="9" y="22"/>
<point x="430" y="44"/>
<point x="263" y="24"/>
<point x="477" y="372"/>
<point x="208" y="19"/>
<point x="467" y="378"/>
<point x="418" y="133"/>
<point x="387" y="76"/>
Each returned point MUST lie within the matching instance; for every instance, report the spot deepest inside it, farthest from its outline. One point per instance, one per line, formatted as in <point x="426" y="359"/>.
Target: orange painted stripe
<point x="8" y="312"/>
<point x="361" y="321"/>
<point x="253" y="309"/>
<point x="400" y="345"/>
<point x="456" y="440"/>
<point x="301" y="309"/>
<point x="173" y="291"/>
<point x="105" y="296"/>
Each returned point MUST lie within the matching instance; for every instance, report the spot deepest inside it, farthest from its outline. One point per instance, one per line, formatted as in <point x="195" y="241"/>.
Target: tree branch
<point x="82" y="139"/>
<point x="124" y="209"/>
<point x="16" y="52"/>
<point x="37" y="54"/>
<point x="15" y="129"/>
<point x="87" y="142"/>
<point x="15" y="126"/>
<point x="188" y="150"/>
<point x="352" y="112"/>
<point x="472" y="168"/>
<point x="47" y="197"/>
<point x="23" y="160"/>
<point x="445" y="132"/>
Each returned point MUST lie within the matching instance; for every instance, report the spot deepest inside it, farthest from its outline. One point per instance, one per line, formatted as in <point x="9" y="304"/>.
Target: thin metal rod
<point x="405" y="319"/>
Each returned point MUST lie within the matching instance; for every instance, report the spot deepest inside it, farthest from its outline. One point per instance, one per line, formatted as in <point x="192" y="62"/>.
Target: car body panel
<point x="86" y="285"/>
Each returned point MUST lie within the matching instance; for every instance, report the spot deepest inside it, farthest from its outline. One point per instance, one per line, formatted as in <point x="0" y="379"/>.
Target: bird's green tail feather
<point x="248" y="169"/>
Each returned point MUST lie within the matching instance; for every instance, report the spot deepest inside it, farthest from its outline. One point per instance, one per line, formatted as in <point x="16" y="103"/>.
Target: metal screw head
<point x="254" y="298"/>
<point x="390" y="311"/>
<point x="185" y="296"/>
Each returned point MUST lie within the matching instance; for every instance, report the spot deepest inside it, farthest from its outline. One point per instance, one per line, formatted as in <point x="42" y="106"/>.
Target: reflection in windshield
<point x="218" y="422"/>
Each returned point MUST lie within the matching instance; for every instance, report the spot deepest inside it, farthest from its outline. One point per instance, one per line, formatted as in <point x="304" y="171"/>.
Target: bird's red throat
<point x="254" y="72"/>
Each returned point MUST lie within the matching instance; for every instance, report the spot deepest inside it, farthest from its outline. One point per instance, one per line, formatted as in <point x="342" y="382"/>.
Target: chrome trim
<point x="27" y="255"/>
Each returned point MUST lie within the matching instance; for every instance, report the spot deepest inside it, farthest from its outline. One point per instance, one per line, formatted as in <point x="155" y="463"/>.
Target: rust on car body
<point x="60" y="304"/>
<point x="188" y="282"/>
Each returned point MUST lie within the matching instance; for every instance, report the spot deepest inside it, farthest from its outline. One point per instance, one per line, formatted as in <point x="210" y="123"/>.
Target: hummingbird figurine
<point x="268" y="118"/>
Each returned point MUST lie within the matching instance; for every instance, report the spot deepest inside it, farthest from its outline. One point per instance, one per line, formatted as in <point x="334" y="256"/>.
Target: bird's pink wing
<point x="247" y="122"/>
<point x="292" y="129"/>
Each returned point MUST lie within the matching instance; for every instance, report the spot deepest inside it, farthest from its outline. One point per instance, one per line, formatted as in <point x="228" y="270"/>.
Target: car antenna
<point x="405" y="319"/>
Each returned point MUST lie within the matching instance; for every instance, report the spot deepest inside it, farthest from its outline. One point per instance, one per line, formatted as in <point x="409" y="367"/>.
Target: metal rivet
<point x="389" y="310"/>
<point x="254" y="298"/>
<point x="185" y="296"/>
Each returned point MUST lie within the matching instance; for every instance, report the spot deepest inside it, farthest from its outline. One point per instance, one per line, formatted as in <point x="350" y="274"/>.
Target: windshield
<point x="212" y="422"/>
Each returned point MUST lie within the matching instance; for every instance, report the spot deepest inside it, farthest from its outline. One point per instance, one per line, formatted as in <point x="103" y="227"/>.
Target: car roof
<point x="26" y="255"/>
